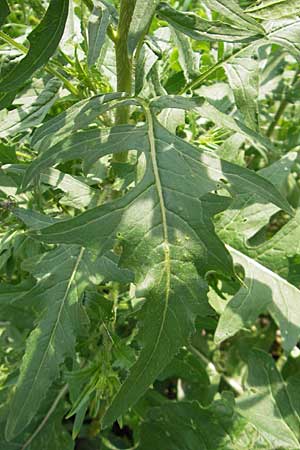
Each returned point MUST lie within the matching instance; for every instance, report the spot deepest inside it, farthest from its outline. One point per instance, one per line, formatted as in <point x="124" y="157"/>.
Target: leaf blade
<point x="41" y="47"/>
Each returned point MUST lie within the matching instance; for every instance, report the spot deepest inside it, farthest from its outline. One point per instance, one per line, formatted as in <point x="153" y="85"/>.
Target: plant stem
<point x="48" y="68"/>
<point x="12" y="42"/>
<point x="124" y="66"/>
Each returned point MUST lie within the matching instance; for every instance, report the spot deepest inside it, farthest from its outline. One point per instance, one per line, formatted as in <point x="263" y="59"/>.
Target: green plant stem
<point x="48" y="68"/>
<point x="12" y="42"/>
<point x="124" y="66"/>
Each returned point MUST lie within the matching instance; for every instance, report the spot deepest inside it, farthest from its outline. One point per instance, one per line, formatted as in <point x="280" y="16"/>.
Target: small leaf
<point x="188" y="59"/>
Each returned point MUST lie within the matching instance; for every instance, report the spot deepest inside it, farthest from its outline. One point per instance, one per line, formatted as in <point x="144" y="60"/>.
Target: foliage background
<point x="233" y="384"/>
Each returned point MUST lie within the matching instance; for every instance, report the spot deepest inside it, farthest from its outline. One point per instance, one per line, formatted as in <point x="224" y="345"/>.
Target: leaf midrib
<point x="166" y="244"/>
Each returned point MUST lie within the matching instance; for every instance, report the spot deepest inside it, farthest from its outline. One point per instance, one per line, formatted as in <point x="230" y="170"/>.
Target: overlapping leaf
<point x="62" y="275"/>
<point x="187" y="426"/>
<point x="266" y="416"/>
<point x="231" y="11"/>
<point x="262" y="291"/>
<point x="269" y="404"/>
<point x="265" y="265"/>
<point x="274" y="9"/>
<point x="76" y="117"/>
<point x="20" y="119"/>
<point x="164" y="227"/>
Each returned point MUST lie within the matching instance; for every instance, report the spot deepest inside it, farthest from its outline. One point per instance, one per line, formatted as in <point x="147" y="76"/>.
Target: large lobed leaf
<point x="164" y="227"/>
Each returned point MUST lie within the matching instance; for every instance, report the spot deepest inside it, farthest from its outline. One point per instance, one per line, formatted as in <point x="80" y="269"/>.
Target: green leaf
<point x="188" y="59"/>
<point x="74" y="118"/>
<point x="201" y="29"/>
<point x="97" y="27"/>
<point x="78" y="194"/>
<point x="53" y="435"/>
<point x="4" y="11"/>
<point x="60" y="272"/>
<point x="62" y="276"/>
<point x="188" y="426"/>
<point x="166" y="220"/>
<point x="268" y="404"/>
<point x="146" y="60"/>
<point x="285" y="32"/>
<point x="243" y="77"/>
<point x="44" y="40"/>
<point x="274" y="9"/>
<point x="262" y="291"/>
<point x="207" y="110"/>
<point x="141" y="18"/>
<point x="247" y="214"/>
<point x="235" y="14"/>
<point x="20" y="119"/>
